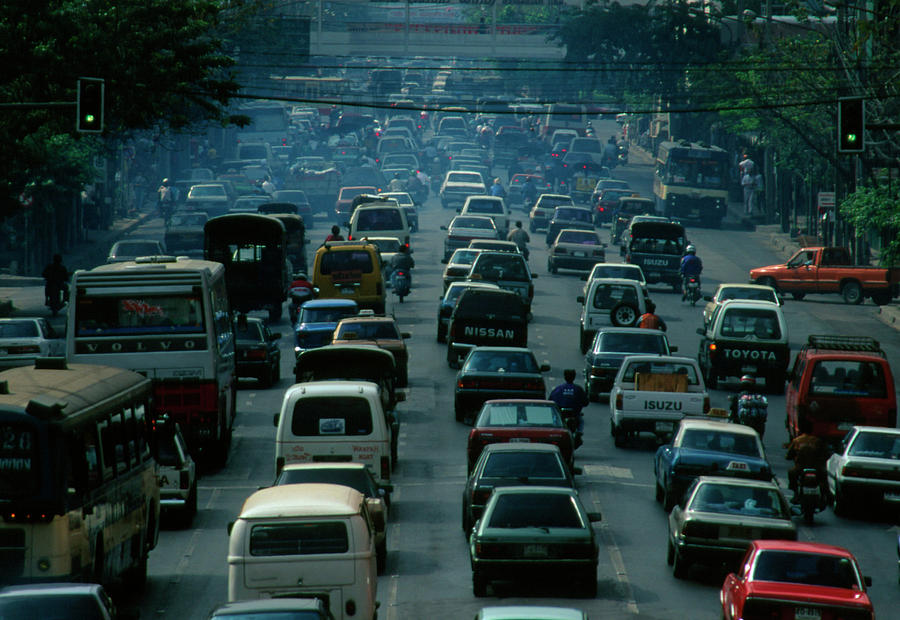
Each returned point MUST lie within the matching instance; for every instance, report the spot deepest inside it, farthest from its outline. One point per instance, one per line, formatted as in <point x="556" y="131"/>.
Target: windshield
<point x="848" y="378"/>
<point x="740" y="500"/>
<point x="519" y="414"/>
<point x="707" y="172"/>
<point x="138" y="313"/>
<point x="50" y="605"/>
<point x="517" y="510"/>
<point x="353" y="478"/>
<point x="19" y="329"/>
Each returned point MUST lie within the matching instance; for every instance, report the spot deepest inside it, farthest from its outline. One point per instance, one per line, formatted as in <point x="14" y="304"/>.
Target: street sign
<point x="825" y="201"/>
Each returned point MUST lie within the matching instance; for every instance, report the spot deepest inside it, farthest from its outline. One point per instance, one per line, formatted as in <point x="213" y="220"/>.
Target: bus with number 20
<point x="79" y="494"/>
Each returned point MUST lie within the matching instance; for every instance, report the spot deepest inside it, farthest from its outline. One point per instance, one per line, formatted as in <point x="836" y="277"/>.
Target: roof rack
<point x="845" y="343"/>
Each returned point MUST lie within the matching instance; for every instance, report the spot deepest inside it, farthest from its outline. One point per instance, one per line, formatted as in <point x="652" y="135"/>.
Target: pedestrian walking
<point x="748" y="184"/>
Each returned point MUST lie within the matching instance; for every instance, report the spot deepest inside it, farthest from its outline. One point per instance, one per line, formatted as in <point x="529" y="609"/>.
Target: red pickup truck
<point x="830" y="270"/>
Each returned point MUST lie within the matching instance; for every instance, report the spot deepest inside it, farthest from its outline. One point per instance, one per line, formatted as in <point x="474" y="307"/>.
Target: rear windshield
<point x="848" y="378"/>
<point x="379" y="219"/>
<point x="519" y="414"/>
<point x="325" y="315"/>
<point x="337" y="261"/>
<point x="585" y="237"/>
<point x="353" y="478"/>
<point x="29" y="607"/>
<point x="322" y="416"/>
<point x="876" y="445"/>
<point x="744" y="322"/>
<point x="661" y="368"/>
<point x="741" y="292"/>
<point x="720" y="441"/>
<point x="632" y="343"/>
<point x="484" y="303"/>
<point x="575" y="215"/>
<point x="619" y="271"/>
<point x="517" y="510"/>
<point x="508" y="266"/>
<point x="815" y="569"/>
<point x="530" y="465"/>
<point x="607" y="296"/>
<point x="494" y="207"/>
<point x="299" y="538"/>
<point x="503" y="362"/>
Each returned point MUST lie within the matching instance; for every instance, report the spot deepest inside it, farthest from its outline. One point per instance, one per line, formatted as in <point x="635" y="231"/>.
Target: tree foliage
<point x="162" y="64"/>
<point x="876" y="208"/>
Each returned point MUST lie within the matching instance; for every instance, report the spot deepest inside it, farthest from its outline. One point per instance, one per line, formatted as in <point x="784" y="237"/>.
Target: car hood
<point x="807" y="594"/>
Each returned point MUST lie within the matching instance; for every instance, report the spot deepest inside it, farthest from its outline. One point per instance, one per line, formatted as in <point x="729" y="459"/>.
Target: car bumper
<point x="602" y="384"/>
<point x="581" y="263"/>
<point x="873" y="490"/>
<point x="252" y="369"/>
<point x="712" y="552"/>
<point x="659" y="424"/>
<point x="521" y="569"/>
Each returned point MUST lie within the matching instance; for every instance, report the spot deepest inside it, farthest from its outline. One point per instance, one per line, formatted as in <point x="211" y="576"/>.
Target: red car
<point x="782" y="579"/>
<point x="520" y="420"/>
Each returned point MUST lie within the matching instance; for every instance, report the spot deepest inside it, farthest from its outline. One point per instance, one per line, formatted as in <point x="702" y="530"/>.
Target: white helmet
<point x="690" y="249"/>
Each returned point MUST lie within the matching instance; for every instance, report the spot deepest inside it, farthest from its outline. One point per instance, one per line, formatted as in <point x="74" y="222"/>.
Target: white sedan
<point x="866" y="468"/>
<point x="26" y="338"/>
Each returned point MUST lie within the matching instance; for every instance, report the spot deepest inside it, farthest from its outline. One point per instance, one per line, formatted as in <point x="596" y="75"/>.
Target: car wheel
<point x="775" y="383"/>
<point x="711" y="379"/>
<point x="619" y="437"/>
<point x="440" y="335"/>
<point x="623" y="315"/>
<point x="840" y="501"/>
<point x="852" y="293"/>
<point x="585" y="341"/>
<point x="680" y="566"/>
<point x="479" y="584"/>
<point x="659" y="493"/>
<point x="589" y="585"/>
<point x="459" y="414"/>
<point x="190" y="508"/>
<point x="265" y="380"/>
<point x="798" y="296"/>
<point x="466" y="521"/>
<point x="551" y="267"/>
<point x="381" y="556"/>
<point x="668" y="498"/>
<point x="275" y="314"/>
<point x="881" y="299"/>
<point x="670" y="552"/>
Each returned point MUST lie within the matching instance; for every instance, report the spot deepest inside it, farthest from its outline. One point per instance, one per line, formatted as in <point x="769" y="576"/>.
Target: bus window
<point x="92" y="459"/>
<point x="107" y="450"/>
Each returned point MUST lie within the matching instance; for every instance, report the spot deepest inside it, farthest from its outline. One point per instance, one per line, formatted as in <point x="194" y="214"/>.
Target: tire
<point x="768" y="282"/>
<point x="852" y="293"/>
<point x="381" y="557"/>
<point x="798" y="296"/>
<point x="584" y="341"/>
<point x="440" y="335"/>
<point x="881" y="299"/>
<point x="659" y="493"/>
<point x="479" y="584"/>
<point x="680" y="566"/>
<point x="466" y="522"/>
<point x="136" y="577"/>
<point x="623" y="315"/>
<point x="676" y="287"/>
<point x="98" y="570"/>
<point x="265" y="380"/>
<point x="589" y="584"/>
<point x="712" y="380"/>
<point x="459" y="414"/>
<point x="840" y="501"/>
<point x="619" y="437"/>
<point x="190" y="507"/>
<point x="670" y="552"/>
<point x="669" y="499"/>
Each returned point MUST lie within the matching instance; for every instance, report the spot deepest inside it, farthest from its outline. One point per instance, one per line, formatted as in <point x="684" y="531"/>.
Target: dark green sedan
<point x="538" y="533"/>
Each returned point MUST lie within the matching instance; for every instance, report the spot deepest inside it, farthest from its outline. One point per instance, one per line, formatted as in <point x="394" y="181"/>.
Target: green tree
<point x="161" y="60"/>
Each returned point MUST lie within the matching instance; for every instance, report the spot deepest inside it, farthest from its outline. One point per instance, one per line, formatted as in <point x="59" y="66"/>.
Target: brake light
<point x="184" y="479"/>
<point x="852" y="472"/>
<point x="619" y="401"/>
<point x="256" y="354"/>
<point x="706" y="404"/>
<point x="467" y="384"/>
<point x="23" y="349"/>
<point x="482" y="495"/>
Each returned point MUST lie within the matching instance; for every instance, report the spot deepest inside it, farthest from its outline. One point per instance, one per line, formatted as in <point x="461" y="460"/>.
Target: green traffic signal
<point x="851" y="125"/>
<point x="90" y="105"/>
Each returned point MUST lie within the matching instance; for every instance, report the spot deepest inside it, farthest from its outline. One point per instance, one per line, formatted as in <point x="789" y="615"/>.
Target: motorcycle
<point x="570" y="418"/>
<point x="812" y="499"/>
<point x="401" y="284"/>
<point x="55" y="297"/>
<point x="298" y="295"/>
<point x="692" y="289"/>
<point x="622" y="154"/>
<point x="753" y="411"/>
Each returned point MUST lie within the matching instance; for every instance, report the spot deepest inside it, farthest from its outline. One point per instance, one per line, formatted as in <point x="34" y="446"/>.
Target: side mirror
<point x="701" y="331"/>
<point x="594" y="517"/>
<point x="584" y="278"/>
<point x="400" y="397"/>
<point x="868" y="581"/>
<point x="534" y="276"/>
<point x="444" y="261"/>
<point x="443" y="227"/>
<point x="580" y="299"/>
<point x="405" y="335"/>
<point x="275" y="419"/>
<point x="673" y="348"/>
<point x="707" y="298"/>
<point x="230" y="527"/>
<point x="545" y="367"/>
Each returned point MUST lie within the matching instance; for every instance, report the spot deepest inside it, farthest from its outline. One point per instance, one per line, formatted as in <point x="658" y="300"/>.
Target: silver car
<point x="26" y="338"/>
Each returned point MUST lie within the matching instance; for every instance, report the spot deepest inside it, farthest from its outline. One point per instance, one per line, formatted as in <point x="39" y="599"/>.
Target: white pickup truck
<point x="652" y="393"/>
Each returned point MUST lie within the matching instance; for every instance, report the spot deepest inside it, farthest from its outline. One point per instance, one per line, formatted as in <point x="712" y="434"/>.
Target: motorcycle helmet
<point x="748" y="381"/>
<point x="690" y="249"/>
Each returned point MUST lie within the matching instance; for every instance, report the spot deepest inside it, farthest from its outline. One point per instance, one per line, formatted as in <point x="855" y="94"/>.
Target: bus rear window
<point x="18" y="462"/>
<point x="139" y="314"/>
<point x="331" y="415"/>
<point x="848" y="378"/>
<point x="299" y="539"/>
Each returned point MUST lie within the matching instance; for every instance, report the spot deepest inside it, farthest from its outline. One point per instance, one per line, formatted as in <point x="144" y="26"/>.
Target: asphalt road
<point x="428" y="570"/>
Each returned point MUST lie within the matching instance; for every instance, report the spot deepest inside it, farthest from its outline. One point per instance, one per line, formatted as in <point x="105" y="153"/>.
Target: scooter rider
<point x="748" y="386"/>
<point x="808" y="452"/>
<point x="56" y="278"/>
<point x="691" y="266"/>
<point x="567" y="395"/>
<point x="518" y="236"/>
<point x="401" y="261"/>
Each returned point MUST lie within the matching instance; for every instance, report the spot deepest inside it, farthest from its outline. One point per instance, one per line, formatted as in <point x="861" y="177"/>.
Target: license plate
<point x="519" y="440"/>
<point x="748" y="368"/>
<point x="348" y="290"/>
<point x="807" y="613"/>
<point x="535" y="551"/>
<point x="810" y="490"/>
<point x="695" y="212"/>
<point x="653" y="274"/>
<point x="892" y="497"/>
<point x="579" y="254"/>
<point x="664" y="427"/>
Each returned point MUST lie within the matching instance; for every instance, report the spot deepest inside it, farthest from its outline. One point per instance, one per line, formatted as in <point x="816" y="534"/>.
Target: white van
<point x="492" y="206"/>
<point x="334" y="421"/>
<point x="300" y="540"/>
<point x="379" y="220"/>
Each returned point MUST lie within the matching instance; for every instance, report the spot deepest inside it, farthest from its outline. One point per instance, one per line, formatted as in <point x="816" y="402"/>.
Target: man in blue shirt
<point x="497" y="189"/>
<point x="570" y="396"/>
<point x="691" y="266"/>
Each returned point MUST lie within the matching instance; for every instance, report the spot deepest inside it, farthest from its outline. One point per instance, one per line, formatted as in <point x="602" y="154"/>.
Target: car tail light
<point x="598" y="372"/>
<point x="706" y="404"/>
<point x="184" y="479"/>
<point x="619" y="401"/>
<point x="386" y="467"/>
<point x="467" y="384"/>
<point x="700" y="530"/>
<point x="24" y="349"/>
<point x="560" y="250"/>
<point x="852" y="472"/>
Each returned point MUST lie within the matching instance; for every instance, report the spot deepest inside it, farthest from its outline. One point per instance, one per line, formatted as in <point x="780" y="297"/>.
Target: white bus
<point x="167" y="318"/>
<point x="79" y="494"/>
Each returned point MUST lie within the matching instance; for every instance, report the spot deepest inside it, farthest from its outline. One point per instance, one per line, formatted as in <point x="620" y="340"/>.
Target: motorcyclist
<point x="808" y="452"/>
<point x="497" y="189"/>
<point x="56" y="277"/>
<point x="167" y="195"/>
<point x="401" y="261"/>
<point x="396" y="184"/>
<point x="650" y="320"/>
<point x="748" y="387"/>
<point x="567" y="395"/>
<point x="335" y="234"/>
<point x="529" y="192"/>
<point x="691" y="266"/>
<point x="414" y="186"/>
<point x="520" y="237"/>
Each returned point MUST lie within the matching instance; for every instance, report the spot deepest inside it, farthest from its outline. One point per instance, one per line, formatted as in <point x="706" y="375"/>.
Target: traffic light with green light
<point x="89" y="105"/>
<point x="851" y="125"/>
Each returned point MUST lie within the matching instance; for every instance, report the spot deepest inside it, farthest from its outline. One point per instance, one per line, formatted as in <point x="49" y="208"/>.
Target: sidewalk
<point x="24" y="295"/>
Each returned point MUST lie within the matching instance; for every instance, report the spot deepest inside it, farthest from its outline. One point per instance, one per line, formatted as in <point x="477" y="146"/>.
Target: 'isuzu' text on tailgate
<point x="489" y="332"/>
<point x="662" y="405"/>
